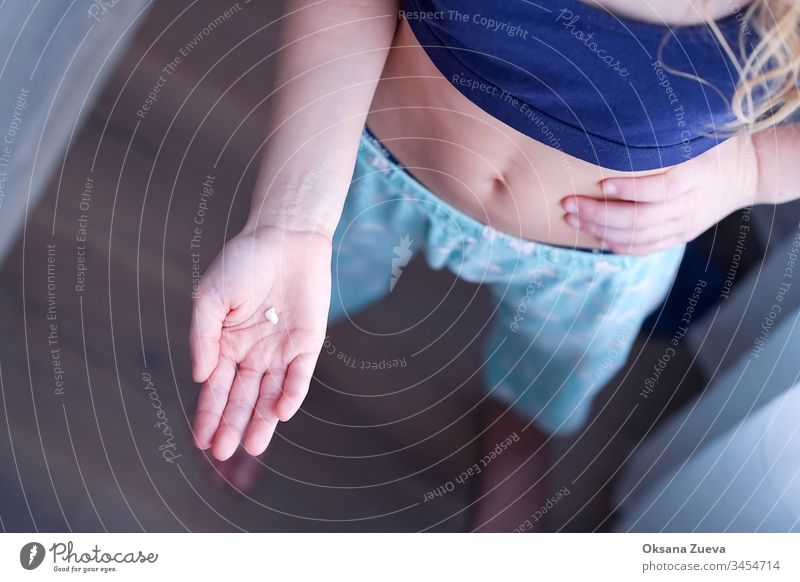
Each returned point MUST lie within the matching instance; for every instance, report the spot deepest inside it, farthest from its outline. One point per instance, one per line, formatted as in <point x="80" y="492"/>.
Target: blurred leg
<point x="562" y="335"/>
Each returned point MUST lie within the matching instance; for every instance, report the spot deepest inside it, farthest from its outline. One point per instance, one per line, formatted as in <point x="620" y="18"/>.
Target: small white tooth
<point x="272" y="315"/>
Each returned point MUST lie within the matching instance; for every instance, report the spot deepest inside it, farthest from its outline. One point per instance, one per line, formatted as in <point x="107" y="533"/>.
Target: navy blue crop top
<point x="615" y="92"/>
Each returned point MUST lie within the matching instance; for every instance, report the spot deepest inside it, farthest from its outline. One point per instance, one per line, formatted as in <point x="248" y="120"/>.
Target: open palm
<point x="255" y="373"/>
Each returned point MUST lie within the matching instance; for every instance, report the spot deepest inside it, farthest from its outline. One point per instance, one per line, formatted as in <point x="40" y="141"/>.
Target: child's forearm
<point x="778" y="153"/>
<point x="331" y="58"/>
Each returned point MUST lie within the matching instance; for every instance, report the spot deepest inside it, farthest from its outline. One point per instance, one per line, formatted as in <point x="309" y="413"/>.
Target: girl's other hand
<point x="643" y="215"/>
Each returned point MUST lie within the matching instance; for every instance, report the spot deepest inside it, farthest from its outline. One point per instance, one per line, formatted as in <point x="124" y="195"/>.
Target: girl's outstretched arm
<point x="259" y="319"/>
<point x="332" y="55"/>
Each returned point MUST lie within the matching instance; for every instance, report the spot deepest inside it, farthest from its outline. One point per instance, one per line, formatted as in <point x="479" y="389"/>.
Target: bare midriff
<point x="471" y="160"/>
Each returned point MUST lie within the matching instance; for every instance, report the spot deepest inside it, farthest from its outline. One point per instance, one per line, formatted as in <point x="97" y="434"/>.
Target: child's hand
<point x="255" y="373"/>
<point x="648" y="214"/>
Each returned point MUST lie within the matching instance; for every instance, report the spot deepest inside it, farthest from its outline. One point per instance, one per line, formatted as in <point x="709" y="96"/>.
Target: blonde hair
<point x="767" y="91"/>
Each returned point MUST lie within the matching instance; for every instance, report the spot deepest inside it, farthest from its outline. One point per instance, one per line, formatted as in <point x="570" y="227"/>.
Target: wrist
<point x="302" y="198"/>
<point x="750" y="171"/>
<point x="279" y="233"/>
<point x="296" y="209"/>
<point x="268" y="222"/>
<point x="763" y="145"/>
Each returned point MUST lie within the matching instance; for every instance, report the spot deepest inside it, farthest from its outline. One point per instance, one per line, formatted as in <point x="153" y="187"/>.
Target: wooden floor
<point x="109" y="318"/>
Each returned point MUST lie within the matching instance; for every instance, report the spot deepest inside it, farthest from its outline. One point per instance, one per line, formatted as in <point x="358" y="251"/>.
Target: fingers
<point x="238" y="411"/>
<point x="638" y="241"/>
<point x="295" y="387"/>
<point x="622" y="214"/>
<point x="634" y="228"/>
<point x="245" y="406"/>
<point x="263" y="423"/>
<point x="631" y="236"/>
<point x="212" y="401"/>
<point x="655" y="188"/>
<point x="208" y="315"/>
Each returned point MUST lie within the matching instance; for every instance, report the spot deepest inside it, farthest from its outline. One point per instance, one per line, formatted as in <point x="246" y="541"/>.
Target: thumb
<point x="208" y="314"/>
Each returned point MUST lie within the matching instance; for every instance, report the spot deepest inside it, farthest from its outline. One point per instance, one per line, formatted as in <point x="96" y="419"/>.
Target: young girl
<point x="559" y="153"/>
